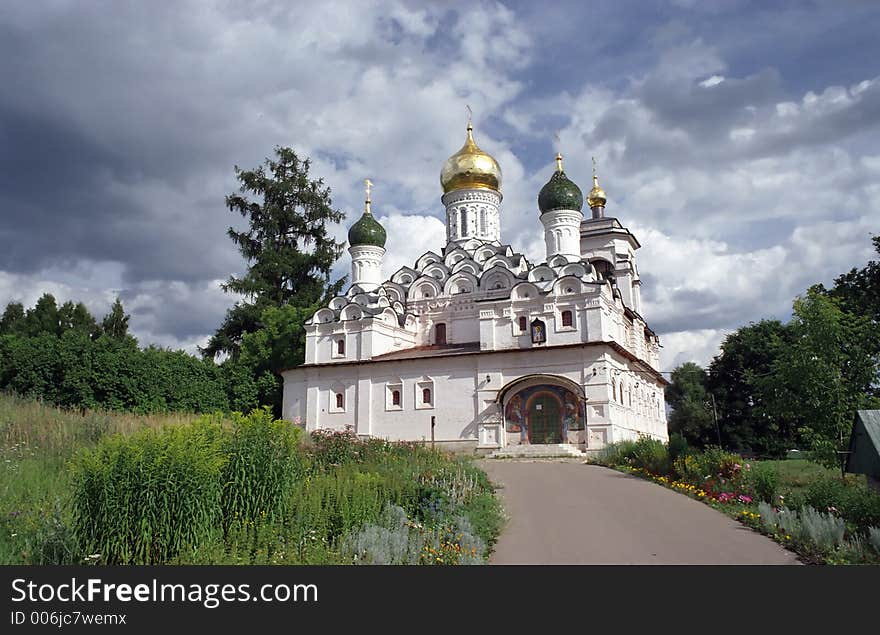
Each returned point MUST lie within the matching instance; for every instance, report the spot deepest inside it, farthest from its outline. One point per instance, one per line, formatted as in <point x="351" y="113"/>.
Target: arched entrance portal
<point x="542" y="409"/>
<point x="544" y="418"/>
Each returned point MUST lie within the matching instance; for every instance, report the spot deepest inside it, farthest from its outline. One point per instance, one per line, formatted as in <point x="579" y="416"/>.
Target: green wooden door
<point x="545" y="420"/>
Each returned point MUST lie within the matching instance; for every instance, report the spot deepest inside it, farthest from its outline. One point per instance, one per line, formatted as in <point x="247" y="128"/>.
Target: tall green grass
<point x="113" y="488"/>
<point x="146" y="499"/>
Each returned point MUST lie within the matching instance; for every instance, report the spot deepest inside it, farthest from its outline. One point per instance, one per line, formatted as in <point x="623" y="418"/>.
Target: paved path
<point x="571" y="513"/>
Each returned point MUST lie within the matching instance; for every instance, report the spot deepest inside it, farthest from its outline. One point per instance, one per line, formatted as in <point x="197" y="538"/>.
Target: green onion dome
<point x="560" y="192"/>
<point x="367" y="231"/>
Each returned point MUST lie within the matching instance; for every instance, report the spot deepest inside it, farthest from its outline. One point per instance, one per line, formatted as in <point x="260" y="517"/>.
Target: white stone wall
<point x="464" y="393"/>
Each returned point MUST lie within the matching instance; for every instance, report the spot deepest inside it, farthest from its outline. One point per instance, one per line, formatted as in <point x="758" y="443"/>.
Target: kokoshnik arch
<point x="497" y="350"/>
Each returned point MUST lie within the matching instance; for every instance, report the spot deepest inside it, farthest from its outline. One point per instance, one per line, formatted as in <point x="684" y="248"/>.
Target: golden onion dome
<point x="470" y="168"/>
<point x="596" y="197"/>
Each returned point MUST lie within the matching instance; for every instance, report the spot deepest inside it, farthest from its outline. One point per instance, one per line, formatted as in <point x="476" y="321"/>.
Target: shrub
<point x="617" y="453"/>
<point x="332" y="447"/>
<point x="650" y="455"/>
<point x="397" y="540"/>
<point x="390" y="541"/>
<point x="147" y="498"/>
<point x="677" y="446"/>
<point x="48" y="538"/>
<point x="769" y="516"/>
<point x="852" y="501"/>
<point x="763" y="480"/>
<point x="824" y="530"/>
<point x="712" y="467"/>
<point x="790" y="523"/>
<point x="263" y="463"/>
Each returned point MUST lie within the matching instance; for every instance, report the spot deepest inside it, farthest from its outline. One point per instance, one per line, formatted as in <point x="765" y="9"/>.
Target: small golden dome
<point x="470" y="168"/>
<point x="596" y="197"/>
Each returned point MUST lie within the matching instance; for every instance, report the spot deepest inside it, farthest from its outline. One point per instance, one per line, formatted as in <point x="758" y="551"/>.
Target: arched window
<point x="395" y="398"/>
<point x="462" y="227"/>
<point x="566" y="318"/>
<point x="523" y="324"/>
<point x="483" y="221"/>
<point x="340" y="347"/>
<point x="440" y="333"/>
<point x="604" y="269"/>
<point x="426" y="396"/>
<point x="340" y="400"/>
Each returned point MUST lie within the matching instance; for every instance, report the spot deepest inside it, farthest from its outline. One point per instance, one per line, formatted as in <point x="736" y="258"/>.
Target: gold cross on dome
<point x="470" y="116"/>
<point x="369" y="186"/>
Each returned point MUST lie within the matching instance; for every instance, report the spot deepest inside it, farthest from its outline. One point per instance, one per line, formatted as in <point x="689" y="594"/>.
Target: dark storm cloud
<point x="120" y="123"/>
<point x="103" y="144"/>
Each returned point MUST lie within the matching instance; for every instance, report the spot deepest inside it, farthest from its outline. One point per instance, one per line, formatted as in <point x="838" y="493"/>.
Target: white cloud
<point x="712" y="81"/>
<point x="741" y="191"/>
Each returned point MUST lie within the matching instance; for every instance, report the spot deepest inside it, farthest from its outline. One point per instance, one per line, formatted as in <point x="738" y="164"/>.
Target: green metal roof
<point x="560" y="193"/>
<point x="864" y="444"/>
<point x="367" y="231"/>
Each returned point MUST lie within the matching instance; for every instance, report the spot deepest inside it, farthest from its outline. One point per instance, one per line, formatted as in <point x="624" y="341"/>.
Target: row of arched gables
<point x="486" y="271"/>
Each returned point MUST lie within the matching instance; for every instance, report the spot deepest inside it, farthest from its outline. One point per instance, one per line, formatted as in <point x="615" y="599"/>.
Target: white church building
<point x="476" y="347"/>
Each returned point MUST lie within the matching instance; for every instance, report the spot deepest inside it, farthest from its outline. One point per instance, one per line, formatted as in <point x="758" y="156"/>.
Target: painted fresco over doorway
<point x="544" y="414"/>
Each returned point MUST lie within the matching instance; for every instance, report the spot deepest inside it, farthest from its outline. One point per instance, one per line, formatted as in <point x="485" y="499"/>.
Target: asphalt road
<point x="571" y="513"/>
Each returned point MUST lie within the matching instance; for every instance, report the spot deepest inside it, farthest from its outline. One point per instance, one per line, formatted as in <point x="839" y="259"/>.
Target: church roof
<point x="477" y="269"/>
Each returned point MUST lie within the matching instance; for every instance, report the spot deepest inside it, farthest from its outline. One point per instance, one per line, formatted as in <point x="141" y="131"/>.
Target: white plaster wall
<point x="464" y="390"/>
<point x="366" y="266"/>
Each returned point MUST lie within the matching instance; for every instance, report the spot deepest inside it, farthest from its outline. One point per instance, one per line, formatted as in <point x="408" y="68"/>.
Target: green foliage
<point x="677" y="447"/>
<point x="60" y="356"/>
<point x="279" y="343"/>
<point x="239" y="491"/>
<point x="711" y="466"/>
<point x="262" y="467"/>
<point x="823" y="529"/>
<point x="690" y="401"/>
<point x="332" y="447"/>
<point x="763" y="480"/>
<point x="151" y="497"/>
<point x="822" y="377"/>
<point x="650" y="454"/>
<point x="859" y="289"/>
<point x="747" y="354"/>
<point x="644" y="453"/>
<point x="12" y="321"/>
<point x="287" y="246"/>
<point x="394" y="539"/>
<point x="617" y="453"/>
<point x="854" y="502"/>
<point x="115" y="323"/>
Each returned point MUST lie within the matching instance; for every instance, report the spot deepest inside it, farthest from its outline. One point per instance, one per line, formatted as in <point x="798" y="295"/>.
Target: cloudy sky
<point x="738" y="140"/>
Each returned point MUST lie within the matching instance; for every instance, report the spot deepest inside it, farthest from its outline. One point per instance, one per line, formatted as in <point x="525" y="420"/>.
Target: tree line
<point x="64" y="355"/>
<point x="777" y="386"/>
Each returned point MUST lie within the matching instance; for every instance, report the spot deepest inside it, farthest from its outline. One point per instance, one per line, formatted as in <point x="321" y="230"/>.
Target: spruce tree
<point x="287" y="247"/>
